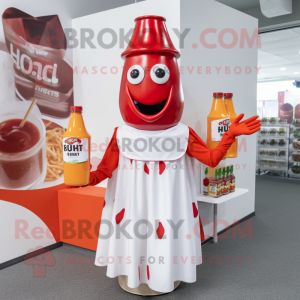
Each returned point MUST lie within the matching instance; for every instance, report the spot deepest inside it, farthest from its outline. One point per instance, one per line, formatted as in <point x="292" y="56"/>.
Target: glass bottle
<point x="217" y="122"/>
<point x="213" y="186"/>
<point x="227" y="180"/>
<point x="205" y="183"/>
<point x="232" y="180"/>
<point x="224" y="182"/>
<point x="220" y="181"/>
<point x="232" y="151"/>
<point x="76" y="155"/>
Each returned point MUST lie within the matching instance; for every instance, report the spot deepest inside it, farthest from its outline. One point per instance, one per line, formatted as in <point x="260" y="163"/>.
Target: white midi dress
<point x="150" y="223"/>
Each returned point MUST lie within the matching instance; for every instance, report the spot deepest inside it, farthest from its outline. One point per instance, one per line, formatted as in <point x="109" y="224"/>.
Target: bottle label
<point x="205" y="189"/>
<point x="75" y="150"/>
<point x="228" y="184"/>
<point x="232" y="187"/>
<point x="218" y="128"/>
<point x="213" y="188"/>
<point x="222" y="188"/>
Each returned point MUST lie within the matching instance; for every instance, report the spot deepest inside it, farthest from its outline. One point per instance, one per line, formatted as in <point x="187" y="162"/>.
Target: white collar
<point x="161" y="145"/>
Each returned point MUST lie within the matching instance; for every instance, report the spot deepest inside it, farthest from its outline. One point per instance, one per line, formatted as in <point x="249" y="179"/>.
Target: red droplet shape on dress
<point x="160" y="231"/>
<point x="162" y="167"/>
<point x="201" y="230"/>
<point x="120" y="216"/>
<point x="195" y="210"/>
<point x="146" y="169"/>
<point x="148" y="272"/>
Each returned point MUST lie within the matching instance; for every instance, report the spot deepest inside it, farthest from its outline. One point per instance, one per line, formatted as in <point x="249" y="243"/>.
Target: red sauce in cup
<point x="16" y="172"/>
<point x="14" y="139"/>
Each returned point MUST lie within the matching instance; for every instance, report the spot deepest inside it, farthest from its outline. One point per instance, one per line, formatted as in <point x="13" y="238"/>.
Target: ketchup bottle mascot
<point x="150" y="219"/>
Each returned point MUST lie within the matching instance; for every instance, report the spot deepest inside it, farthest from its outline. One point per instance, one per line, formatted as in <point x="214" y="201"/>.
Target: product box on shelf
<point x="218" y="181"/>
<point x="295" y="145"/>
<point x="295" y="157"/>
<point x="295" y="170"/>
<point x="295" y="133"/>
<point x="296" y="123"/>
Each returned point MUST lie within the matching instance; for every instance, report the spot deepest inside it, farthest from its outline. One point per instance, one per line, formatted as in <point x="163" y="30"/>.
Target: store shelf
<point x="208" y="199"/>
<point x="291" y="174"/>
<point x="285" y="147"/>
<point x="272" y="159"/>
<point x="288" y="148"/>
<point x="268" y="136"/>
<point x="291" y="147"/>
<point x="293" y="161"/>
<point x="273" y="168"/>
<point x="274" y="125"/>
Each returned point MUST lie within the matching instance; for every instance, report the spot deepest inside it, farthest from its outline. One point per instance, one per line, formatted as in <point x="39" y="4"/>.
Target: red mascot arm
<point x="211" y="157"/>
<point x="108" y="163"/>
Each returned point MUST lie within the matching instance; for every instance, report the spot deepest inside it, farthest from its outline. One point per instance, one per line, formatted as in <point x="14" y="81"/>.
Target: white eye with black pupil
<point x="135" y="74"/>
<point x="160" y="74"/>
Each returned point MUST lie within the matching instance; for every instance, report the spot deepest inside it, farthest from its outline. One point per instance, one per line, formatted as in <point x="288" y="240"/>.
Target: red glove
<point x="247" y="127"/>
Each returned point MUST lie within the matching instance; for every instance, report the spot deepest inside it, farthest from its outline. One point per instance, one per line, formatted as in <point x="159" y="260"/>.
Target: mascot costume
<point x="150" y="229"/>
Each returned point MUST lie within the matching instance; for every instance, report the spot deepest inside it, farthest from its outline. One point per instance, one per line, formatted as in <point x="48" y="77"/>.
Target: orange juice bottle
<point x="232" y="151"/>
<point x="217" y="122"/>
<point x="76" y="150"/>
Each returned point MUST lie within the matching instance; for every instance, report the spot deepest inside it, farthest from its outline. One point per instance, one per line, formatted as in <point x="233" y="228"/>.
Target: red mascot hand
<point x="247" y="127"/>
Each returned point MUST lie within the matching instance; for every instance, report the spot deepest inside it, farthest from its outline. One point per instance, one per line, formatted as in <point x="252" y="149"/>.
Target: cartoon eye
<point x="135" y="74"/>
<point x="160" y="74"/>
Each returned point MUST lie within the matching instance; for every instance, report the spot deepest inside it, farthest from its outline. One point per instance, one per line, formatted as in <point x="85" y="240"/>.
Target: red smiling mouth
<point x="149" y="113"/>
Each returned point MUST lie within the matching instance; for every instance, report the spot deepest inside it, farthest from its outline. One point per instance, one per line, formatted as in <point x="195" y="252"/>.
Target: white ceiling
<point x="280" y="49"/>
<point x="241" y="4"/>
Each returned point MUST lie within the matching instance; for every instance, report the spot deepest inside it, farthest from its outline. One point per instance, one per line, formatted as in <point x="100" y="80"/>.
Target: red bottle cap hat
<point x="150" y="35"/>
<point x="228" y="95"/>
<point x="218" y="95"/>
<point x="76" y="108"/>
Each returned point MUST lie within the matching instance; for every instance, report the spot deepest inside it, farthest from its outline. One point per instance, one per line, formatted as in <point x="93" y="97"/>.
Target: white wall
<point x="269" y="90"/>
<point x="21" y="231"/>
<point x="198" y="89"/>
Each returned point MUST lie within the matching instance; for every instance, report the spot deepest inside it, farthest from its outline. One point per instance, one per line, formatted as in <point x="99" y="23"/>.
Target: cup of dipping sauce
<point x="22" y="151"/>
<point x="286" y="112"/>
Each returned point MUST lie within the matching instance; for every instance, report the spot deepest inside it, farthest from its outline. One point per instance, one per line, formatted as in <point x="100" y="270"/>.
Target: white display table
<point x="216" y="201"/>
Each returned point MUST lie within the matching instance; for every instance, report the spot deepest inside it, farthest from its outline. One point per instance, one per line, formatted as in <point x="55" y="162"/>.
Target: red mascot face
<point x="150" y="95"/>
